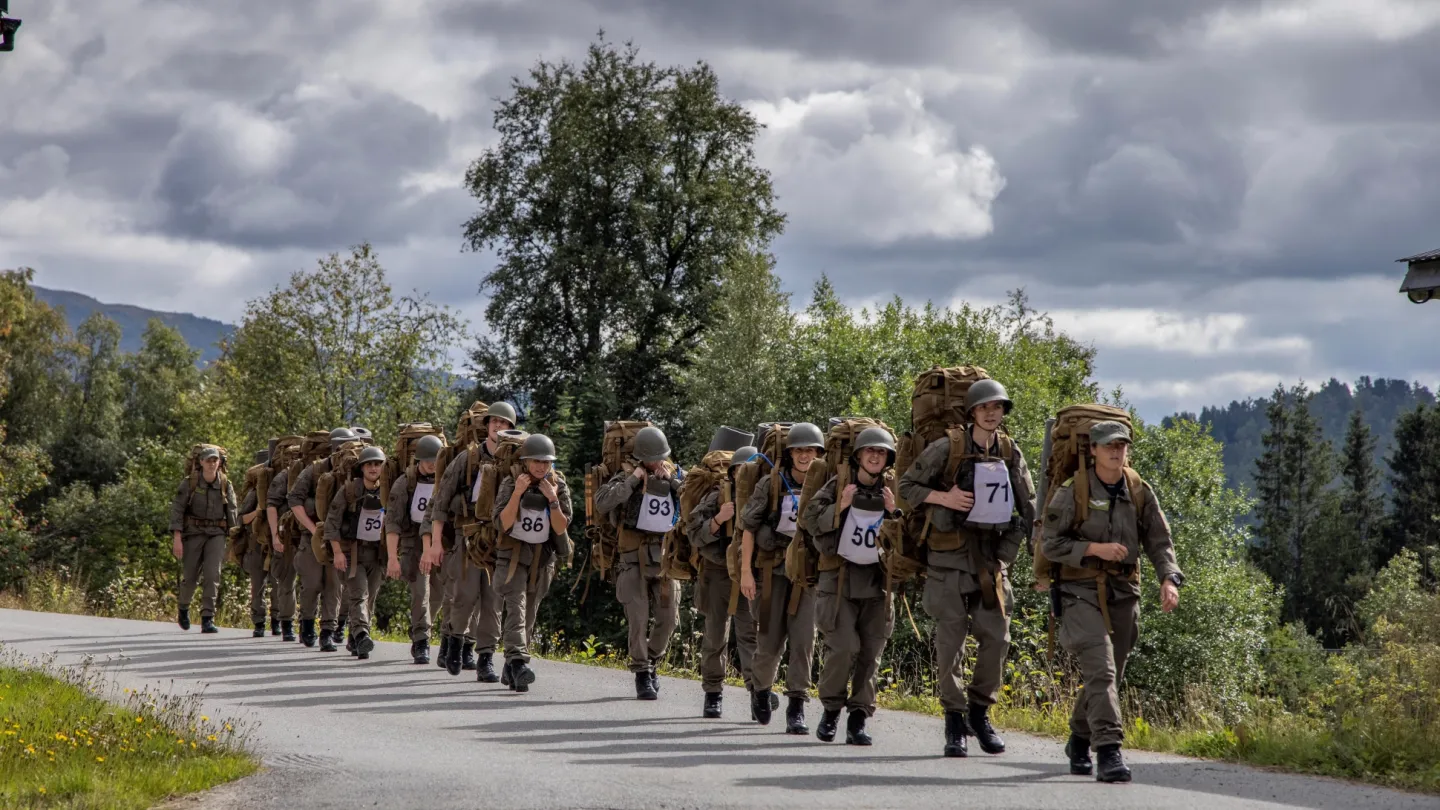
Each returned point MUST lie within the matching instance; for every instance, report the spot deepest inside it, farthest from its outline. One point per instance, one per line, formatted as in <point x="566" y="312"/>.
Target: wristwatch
<point x="1177" y="579"/>
<point x="554" y="504"/>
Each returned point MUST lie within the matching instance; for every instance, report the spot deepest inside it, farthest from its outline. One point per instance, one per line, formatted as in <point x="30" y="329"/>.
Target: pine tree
<point x="1415" y="475"/>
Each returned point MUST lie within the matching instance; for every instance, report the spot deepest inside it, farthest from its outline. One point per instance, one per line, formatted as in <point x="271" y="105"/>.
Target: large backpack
<point x="680" y="560"/>
<point x="314" y="446"/>
<point x="481" y="532"/>
<point x="937" y="405"/>
<point x="342" y="461"/>
<point x="770" y="441"/>
<point x="402" y="461"/>
<point x="469" y="431"/>
<point x="617" y="449"/>
<point x="1070" y="460"/>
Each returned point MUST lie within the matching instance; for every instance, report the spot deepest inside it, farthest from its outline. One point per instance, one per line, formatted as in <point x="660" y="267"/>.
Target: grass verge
<point x="63" y="746"/>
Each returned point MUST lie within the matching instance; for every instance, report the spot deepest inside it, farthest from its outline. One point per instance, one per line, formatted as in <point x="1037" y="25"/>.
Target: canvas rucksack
<point x="342" y="461"/>
<point x="679" y="560"/>
<point x="936" y="405"/>
<point x="402" y="462"/>
<point x="617" y="448"/>
<point x="480" y="529"/>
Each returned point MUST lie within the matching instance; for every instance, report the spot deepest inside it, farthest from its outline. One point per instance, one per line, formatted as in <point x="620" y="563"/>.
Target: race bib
<point x="532" y="526"/>
<point x="657" y="514"/>
<point x="789" y="514"/>
<point x="859" y="539"/>
<point x="421" y="501"/>
<point x="372" y="523"/>
<point x="994" y="502"/>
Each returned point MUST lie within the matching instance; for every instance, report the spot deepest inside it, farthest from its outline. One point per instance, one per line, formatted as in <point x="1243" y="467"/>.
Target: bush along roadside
<point x="63" y="745"/>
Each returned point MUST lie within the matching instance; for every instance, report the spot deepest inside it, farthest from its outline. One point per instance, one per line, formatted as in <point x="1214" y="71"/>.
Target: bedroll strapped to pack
<point x="679" y="559"/>
<point x="603" y="531"/>
<point x="481" y="530"/>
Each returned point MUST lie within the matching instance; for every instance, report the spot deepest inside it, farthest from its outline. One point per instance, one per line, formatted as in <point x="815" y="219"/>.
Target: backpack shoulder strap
<point x="1139" y="490"/>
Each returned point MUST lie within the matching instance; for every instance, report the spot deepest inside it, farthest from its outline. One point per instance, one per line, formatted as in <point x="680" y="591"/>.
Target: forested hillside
<point x="204" y="334"/>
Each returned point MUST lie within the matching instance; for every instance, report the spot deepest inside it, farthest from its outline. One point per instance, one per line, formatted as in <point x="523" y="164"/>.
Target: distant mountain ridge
<point x="204" y="334"/>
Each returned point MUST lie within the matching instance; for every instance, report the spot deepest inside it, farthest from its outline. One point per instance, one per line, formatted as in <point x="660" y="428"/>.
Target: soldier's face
<point x="1111" y="457"/>
<point x="210" y="467"/>
<point x="426" y="467"/>
<point x="371" y="471"/>
<point x="537" y="469"/>
<point x="802" y="457"/>
<point x="873" y="459"/>
<point x="989" y="415"/>
<point x="496" y="424"/>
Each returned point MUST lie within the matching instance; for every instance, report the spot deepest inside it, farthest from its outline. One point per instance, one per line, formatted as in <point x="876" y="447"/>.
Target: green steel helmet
<point x="804" y="434"/>
<point x="504" y="410"/>
<point x="875" y="437"/>
<point x="339" y="436"/>
<point x="369" y="454"/>
<point x="651" y="445"/>
<point x="427" y="448"/>
<point x="537" y="448"/>
<point x="743" y="455"/>
<point x="983" y="391"/>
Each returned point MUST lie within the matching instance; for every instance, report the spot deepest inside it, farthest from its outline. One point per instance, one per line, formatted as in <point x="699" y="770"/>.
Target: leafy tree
<point x="618" y="194"/>
<point x="91" y="447"/>
<point x="23" y="467"/>
<point x="336" y="347"/>
<point x="162" y="389"/>
<point x="36" y="343"/>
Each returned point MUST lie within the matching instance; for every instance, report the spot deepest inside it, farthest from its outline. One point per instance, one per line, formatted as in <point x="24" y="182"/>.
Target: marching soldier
<point x="852" y="607"/>
<point x="319" y="583"/>
<point x="648" y="507"/>
<point x="533" y="512"/>
<point x="472" y="605"/>
<point x="712" y="531"/>
<point x="980" y="500"/>
<point x="404" y="515"/>
<point x="354" y="528"/>
<point x="768" y="533"/>
<point x="253" y="556"/>
<point x="1099" y="589"/>
<point x="201" y="516"/>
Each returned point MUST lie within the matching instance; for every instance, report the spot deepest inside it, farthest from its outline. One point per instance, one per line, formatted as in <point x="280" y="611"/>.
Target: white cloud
<point x="1170" y="332"/>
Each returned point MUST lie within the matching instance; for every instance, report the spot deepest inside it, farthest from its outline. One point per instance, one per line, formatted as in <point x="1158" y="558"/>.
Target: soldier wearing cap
<point x="852" y="606"/>
<point x="979" y="499"/>
<point x="201" y="517"/>
<point x="320" y="585"/>
<point x="404" y="515"/>
<point x="533" y="512"/>
<point x="711" y="532"/>
<point x="355" y="529"/>
<point x="769" y="526"/>
<point x="466" y="631"/>
<point x="1099" y="583"/>
<point x="646" y="503"/>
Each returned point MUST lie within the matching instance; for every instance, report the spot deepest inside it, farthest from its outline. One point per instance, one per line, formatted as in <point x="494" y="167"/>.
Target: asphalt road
<point x="337" y="732"/>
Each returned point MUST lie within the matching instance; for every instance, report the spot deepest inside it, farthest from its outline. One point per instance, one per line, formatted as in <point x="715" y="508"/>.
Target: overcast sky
<point x="1213" y="193"/>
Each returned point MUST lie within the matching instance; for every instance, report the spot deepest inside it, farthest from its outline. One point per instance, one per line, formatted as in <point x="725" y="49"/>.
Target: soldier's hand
<point x="1169" y="596"/>
<point x="523" y="483"/>
<point x="177" y="548"/>
<point x="392" y="568"/>
<point x="889" y="499"/>
<point x="747" y="584"/>
<point x="639" y="472"/>
<point x="547" y="489"/>
<point x="845" y="497"/>
<point x="964" y="501"/>
<point x="1113" y="552"/>
<point x="278" y="546"/>
<point x="340" y="562"/>
<point x="727" y="511"/>
<point x="663" y="473"/>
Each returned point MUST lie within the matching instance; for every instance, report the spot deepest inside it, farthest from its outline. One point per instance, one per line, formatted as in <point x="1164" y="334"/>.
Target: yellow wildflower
<point x="99" y="759"/>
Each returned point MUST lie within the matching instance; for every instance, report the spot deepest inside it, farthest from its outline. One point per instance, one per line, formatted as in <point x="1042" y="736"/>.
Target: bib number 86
<point x="529" y="524"/>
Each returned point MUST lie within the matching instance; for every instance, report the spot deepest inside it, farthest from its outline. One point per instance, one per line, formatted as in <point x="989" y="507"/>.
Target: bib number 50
<point x="864" y="536"/>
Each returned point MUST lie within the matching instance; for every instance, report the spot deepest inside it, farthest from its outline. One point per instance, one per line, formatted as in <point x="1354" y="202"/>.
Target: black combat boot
<point x="364" y="645"/>
<point x="274" y="626"/>
<point x="712" y="705"/>
<point x="307" y="632"/>
<point x="1078" y="750"/>
<point x="350" y="643"/>
<point x="979" y="720"/>
<point x="259" y="630"/>
<point x="760" y="706"/>
<point x="644" y="690"/>
<point x="207" y="625"/>
<point x="485" y="668"/>
<point x="327" y="641"/>
<point x="467" y="656"/>
<point x="955" y="733"/>
<point x="340" y="627"/>
<point x="184" y="618"/>
<point x="521" y="675"/>
<point x="287" y="630"/>
<point x="452" y="663"/>
<point x="442" y="658"/>
<point x="1112" y="765"/>
<point x="795" y="717"/>
<point x="855" y="733"/>
<point x="829" y="724"/>
<point x="505" y="676"/>
<point x="654" y="675"/>
<point x="420" y="651"/>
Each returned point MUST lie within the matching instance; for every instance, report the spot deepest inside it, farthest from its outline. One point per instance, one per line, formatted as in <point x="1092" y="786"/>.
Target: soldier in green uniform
<point x="979" y="501"/>
<point x="852" y="607"/>
<point x="767" y="534"/>
<point x="355" y="530"/>
<point x="319" y="584"/>
<point x="201" y="516"/>
<point x="645" y="501"/>
<point x="533" y="512"/>
<point x="253" y="557"/>
<point x="1099" y="584"/>
<point x="404" y="516"/>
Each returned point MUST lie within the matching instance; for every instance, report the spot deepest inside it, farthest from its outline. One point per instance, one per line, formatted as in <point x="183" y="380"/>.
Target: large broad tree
<point x="618" y="194"/>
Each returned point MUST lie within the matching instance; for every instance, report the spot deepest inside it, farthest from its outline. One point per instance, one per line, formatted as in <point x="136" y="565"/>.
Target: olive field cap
<point x="1108" y="432"/>
<point x="209" y="452"/>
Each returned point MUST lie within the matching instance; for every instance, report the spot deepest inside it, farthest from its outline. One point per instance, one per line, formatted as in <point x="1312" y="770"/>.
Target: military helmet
<point x="804" y="434"/>
<point x="369" y="454"/>
<point x="651" y="445"/>
<point x="339" y="436"/>
<point x="983" y="391"/>
<point x="743" y="455"/>
<point x="427" y="448"/>
<point x="875" y="437"/>
<point x="537" y="448"/>
<point x="262" y="457"/>
<point x="504" y="410"/>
